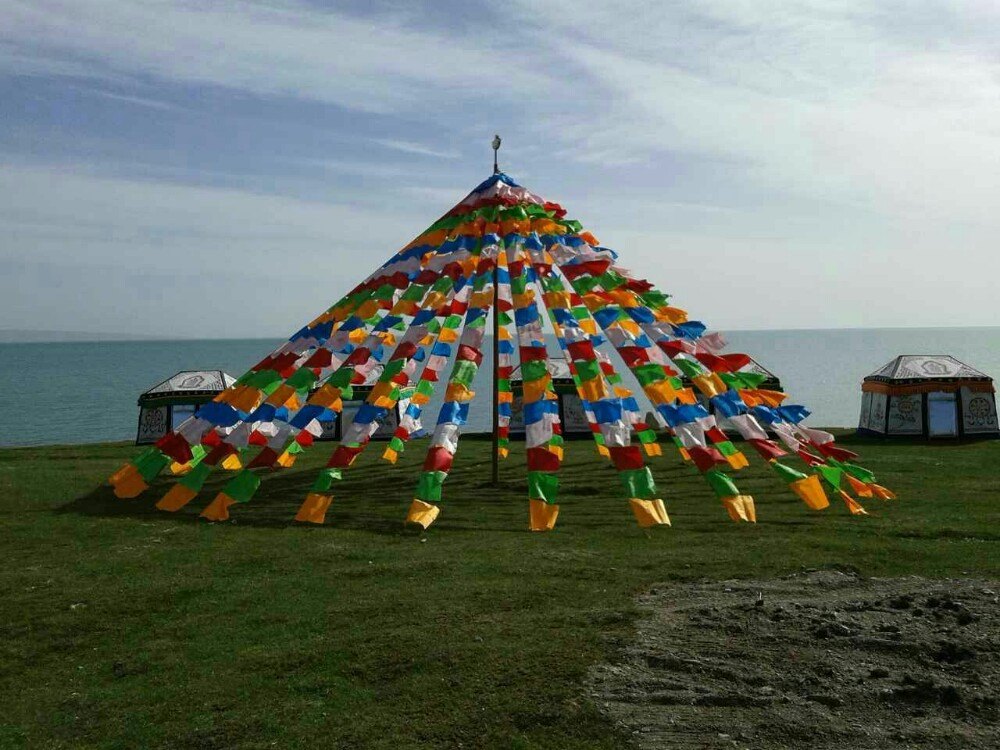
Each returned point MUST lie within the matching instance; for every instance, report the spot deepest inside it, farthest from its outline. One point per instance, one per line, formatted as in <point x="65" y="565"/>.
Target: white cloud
<point x="286" y="49"/>
<point x="266" y="263"/>
<point x="408" y="147"/>
<point x="139" y="101"/>
<point x="847" y="102"/>
<point x="786" y="163"/>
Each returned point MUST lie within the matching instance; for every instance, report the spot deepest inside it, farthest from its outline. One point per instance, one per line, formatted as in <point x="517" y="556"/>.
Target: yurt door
<point x="942" y="414"/>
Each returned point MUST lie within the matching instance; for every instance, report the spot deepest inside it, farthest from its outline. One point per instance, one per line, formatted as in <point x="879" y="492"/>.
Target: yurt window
<point x="942" y="415"/>
<point x="574" y="418"/>
<point x="180" y="412"/>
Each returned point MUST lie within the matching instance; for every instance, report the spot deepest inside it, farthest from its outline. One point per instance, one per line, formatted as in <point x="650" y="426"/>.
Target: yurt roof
<point x="921" y="367"/>
<point x="192" y="382"/>
<point x="753" y="366"/>
<point x="758" y="369"/>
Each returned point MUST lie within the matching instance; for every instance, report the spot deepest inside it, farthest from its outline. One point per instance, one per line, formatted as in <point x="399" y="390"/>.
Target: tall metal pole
<point x="496" y="379"/>
<point x="495" y="476"/>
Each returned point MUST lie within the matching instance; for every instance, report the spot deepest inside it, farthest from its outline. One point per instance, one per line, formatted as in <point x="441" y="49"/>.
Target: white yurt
<point x="928" y="395"/>
<point x="170" y="402"/>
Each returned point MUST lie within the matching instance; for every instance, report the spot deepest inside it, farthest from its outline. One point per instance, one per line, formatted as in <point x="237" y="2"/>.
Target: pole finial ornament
<point x="496" y="148"/>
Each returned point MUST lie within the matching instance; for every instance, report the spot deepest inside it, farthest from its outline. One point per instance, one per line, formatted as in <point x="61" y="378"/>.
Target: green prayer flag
<point x="752" y="380"/>
<point x="726" y="448"/>
<point x="195" y="478"/>
<point x="242" y="486"/>
<point x="151" y="463"/>
<point x="588" y="370"/>
<point x="533" y="369"/>
<point x="385" y="292"/>
<point x="543" y="485"/>
<point x="788" y="473"/>
<point x="392" y="368"/>
<point x="831" y="474"/>
<point x="859" y="472"/>
<point x="302" y="379"/>
<point x="654" y="298"/>
<point x="443" y="284"/>
<point x="611" y="280"/>
<point x="721" y="484"/>
<point x="464" y="372"/>
<point x="638" y="483"/>
<point x="341" y="378"/>
<point x="429" y="486"/>
<point x="415" y="292"/>
<point x="325" y="479"/>
<point x="263" y="378"/>
<point x="552" y="284"/>
<point x="649" y="373"/>
<point x="689" y="367"/>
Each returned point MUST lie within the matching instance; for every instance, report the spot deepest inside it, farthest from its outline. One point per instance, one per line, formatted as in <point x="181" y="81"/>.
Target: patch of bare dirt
<point x="823" y="659"/>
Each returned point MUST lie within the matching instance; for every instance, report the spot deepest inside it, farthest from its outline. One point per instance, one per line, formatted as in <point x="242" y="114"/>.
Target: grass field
<point x="125" y="627"/>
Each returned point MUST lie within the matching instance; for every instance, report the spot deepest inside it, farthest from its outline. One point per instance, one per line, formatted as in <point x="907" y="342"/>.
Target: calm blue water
<point x="86" y="392"/>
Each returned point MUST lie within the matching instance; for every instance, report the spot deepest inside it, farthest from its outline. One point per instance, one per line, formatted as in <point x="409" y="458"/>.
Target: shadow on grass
<point x="274" y="505"/>
<point x="374" y="502"/>
<point x="373" y="497"/>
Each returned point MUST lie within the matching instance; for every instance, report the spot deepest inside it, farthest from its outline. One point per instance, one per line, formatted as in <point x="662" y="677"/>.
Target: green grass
<point x="124" y="627"/>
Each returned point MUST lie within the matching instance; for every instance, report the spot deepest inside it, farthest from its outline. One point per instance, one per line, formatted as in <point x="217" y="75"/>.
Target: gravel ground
<point x="822" y="659"/>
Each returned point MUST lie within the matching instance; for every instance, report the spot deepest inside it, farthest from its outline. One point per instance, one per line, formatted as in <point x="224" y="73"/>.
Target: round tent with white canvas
<point x="928" y="395"/>
<point x="170" y="402"/>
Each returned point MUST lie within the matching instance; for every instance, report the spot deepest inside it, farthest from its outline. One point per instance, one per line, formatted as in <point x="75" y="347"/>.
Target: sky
<point x="230" y="169"/>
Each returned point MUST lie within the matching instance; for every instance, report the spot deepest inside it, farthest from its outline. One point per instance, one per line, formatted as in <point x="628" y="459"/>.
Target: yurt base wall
<point x="334" y="429"/>
<point x="571" y="415"/>
<point x="906" y="415"/>
<point x="154" y="423"/>
<point x="935" y="415"/>
<point x="979" y="414"/>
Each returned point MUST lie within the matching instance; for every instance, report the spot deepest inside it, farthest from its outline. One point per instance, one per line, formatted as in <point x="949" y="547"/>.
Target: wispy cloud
<point x="825" y="147"/>
<point x="139" y="101"/>
<point x="375" y="64"/>
<point x="260" y="256"/>
<point x="850" y="102"/>
<point x="409" y="147"/>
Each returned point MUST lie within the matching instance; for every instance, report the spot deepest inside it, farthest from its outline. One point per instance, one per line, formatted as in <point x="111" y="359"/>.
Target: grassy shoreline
<point x="127" y="627"/>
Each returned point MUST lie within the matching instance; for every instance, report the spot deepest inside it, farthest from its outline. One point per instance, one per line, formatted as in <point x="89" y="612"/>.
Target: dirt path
<point x="818" y="660"/>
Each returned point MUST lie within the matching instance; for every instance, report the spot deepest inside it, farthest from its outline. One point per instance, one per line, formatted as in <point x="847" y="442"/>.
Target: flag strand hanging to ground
<point x="502" y="250"/>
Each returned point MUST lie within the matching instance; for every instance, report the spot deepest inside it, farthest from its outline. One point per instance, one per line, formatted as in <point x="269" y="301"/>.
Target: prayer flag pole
<point x="495" y="475"/>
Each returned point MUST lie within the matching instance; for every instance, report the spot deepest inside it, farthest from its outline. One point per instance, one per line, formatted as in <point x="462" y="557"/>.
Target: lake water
<point x="79" y="392"/>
